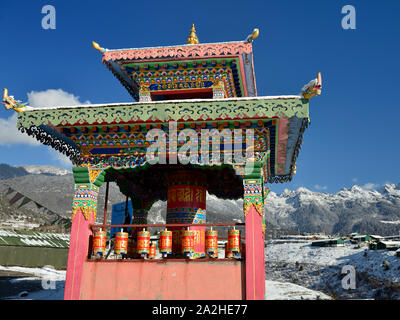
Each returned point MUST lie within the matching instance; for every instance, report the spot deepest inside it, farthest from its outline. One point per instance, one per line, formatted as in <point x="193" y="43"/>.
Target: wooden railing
<point x="105" y="226"/>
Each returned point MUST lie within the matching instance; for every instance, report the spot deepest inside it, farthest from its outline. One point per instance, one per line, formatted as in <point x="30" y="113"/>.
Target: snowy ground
<point x="32" y="283"/>
<point x="275" y="290"/>
<point x="320" y="268"/>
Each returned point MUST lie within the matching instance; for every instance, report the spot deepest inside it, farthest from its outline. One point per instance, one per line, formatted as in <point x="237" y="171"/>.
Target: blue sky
<point x="354" y="133"/>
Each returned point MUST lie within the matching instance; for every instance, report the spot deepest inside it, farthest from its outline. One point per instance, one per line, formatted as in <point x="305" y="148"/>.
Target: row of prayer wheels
<point x="143" y="247"/>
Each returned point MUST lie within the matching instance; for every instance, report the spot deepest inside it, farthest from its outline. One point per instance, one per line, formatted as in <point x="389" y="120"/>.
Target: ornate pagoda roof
<point x="182" y="67"/>
<point x="114" y="136"/>
<point x="97" y="133"/>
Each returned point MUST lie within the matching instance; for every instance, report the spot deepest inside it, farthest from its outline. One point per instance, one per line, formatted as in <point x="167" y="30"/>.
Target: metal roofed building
<point x="33" y="249"/>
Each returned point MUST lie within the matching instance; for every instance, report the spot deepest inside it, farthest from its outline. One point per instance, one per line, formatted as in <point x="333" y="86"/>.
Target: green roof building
<point x="28" y="248"/>
<point x="328" y="243"/>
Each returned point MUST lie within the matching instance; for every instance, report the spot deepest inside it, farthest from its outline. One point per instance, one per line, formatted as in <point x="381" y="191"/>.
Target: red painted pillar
<point x="83" y="215"/>
<point x="255" y="259"/>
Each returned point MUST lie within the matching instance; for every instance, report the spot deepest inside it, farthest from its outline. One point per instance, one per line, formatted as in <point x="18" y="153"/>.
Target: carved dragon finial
<point x="10" y="103"/>
<point x="97" y="47"/>
<point x="251" y="37"/>
<point x="312" y="88"/>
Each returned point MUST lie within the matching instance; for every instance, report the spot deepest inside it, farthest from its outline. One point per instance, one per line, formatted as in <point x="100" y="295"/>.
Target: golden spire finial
<point x="192" y="39"/>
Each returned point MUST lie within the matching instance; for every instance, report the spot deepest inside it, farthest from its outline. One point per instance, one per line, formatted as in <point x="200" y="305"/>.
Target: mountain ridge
<point x="354" y="209"/>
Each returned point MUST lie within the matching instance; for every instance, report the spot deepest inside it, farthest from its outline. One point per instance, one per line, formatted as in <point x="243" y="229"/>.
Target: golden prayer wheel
<point x="153" y="249"/>
<point x="234" y="241"/>
<point x="228" y="253"/>
<point x="99" y="242"/>
<point x="187" y="242"/>
<point x="212" y="243"/>
<point x="143" y="242"/>
<point x="165" y="244"/>
<point x="121" y="242"/>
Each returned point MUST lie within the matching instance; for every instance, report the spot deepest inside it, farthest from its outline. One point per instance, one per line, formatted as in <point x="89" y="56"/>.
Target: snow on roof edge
<point x="165" y="102"/>
<point x="177" y="45"/>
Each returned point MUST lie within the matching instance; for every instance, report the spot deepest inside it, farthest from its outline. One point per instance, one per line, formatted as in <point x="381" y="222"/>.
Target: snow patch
<point x="275" y="290"/>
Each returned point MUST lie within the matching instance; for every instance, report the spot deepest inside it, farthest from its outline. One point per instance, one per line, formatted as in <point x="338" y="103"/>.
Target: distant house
<point x="26" y="248"/>
<point x="352" y="235"/>
<point x="376" y="237"/>
<point x="387" y="245"/>
<point x="338" y="242"/>
<point x="361" y="238"/>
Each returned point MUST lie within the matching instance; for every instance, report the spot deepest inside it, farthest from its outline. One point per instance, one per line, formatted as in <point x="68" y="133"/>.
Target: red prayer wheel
<point x="165" y="244"/>
<point x="228" y="253"/>
<point x="187" y="242"/>
<point x="212" y="243"/>
<point x="234" y="241"/>
<point x="121" y="242"/>
<point x="99" y="242"/>
<point x="143" y="242"/>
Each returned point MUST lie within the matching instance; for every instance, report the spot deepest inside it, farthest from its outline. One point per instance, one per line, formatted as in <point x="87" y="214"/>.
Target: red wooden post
<point x="78" y="252"/>
<point x="83" y="216"/>
<point x="255" y="259"/>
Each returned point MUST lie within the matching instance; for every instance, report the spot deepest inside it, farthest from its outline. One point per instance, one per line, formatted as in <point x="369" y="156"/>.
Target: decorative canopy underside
<point x="114" y="135"/>
<point x="151" y="185"/>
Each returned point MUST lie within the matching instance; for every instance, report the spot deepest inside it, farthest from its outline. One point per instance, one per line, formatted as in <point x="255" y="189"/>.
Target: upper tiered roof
<point x="197" y="86"/>
<point x="185" y="71"/>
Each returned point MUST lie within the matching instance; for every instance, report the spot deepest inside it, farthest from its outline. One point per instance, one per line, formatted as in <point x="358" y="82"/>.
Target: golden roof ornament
<point x="192" y="39"/>
<point x="251" y="37"/>
<point x="97" y="47"/>
<point x="10" y="103"/>
<point x="313" y="88"/>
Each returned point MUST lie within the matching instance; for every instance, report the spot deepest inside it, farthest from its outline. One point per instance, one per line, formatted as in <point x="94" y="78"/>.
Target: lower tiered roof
<point x="114" y="135"/>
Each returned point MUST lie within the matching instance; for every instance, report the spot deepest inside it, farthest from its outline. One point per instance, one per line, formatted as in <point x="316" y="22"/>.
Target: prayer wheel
<point x="187" y="242"/>
<point x="143" y="242"/>
<point x="212" y="243"/>
<point x="186" y="203"/>
<point x="234" y="241"/>
<point x="153" y="249"/>
<point x="121" y="242"/>
<point x="165" y="244"/>
<point x="99" y="242"/>
<point x="228" y="253"/>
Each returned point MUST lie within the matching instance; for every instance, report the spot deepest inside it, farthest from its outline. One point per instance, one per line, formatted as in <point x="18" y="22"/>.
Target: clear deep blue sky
<point x="354" y="132"/>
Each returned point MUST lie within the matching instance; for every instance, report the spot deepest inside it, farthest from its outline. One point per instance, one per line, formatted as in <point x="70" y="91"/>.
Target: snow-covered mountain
<point x="49" y="170"/>
<point x="8" y="172"/>
<point x="352" y="209"/>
